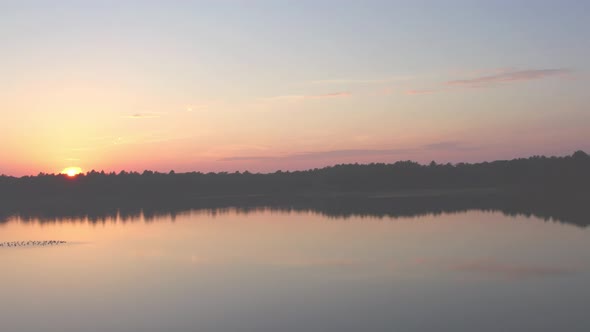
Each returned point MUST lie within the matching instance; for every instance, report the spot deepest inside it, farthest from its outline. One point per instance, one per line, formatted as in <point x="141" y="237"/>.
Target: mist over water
<point x="277" y="270"/>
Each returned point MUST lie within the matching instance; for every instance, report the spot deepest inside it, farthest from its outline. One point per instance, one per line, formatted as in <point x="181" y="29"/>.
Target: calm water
<point x="279" y="271"/>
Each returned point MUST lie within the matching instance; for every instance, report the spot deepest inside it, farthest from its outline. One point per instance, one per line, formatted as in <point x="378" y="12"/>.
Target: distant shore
<point x="546" y="186"/>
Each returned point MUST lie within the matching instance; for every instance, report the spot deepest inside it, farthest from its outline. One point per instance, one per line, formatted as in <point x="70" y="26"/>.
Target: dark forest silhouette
<point x="548" y="187"/>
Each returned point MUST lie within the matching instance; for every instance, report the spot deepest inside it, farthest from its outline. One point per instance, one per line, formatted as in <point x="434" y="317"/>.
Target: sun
<point x="71" y="171"/>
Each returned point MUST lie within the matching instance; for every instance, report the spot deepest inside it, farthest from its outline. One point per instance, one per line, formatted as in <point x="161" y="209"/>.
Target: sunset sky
<point x="266" y="85"/>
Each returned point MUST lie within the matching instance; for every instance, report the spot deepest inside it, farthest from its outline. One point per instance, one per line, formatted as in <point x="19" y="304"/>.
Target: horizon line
<point x="172" y="171"/>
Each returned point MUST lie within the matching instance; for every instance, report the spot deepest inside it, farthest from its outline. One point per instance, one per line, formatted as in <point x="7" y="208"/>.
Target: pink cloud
<point x="511" y="76"/>
<point x="483" y="71"/>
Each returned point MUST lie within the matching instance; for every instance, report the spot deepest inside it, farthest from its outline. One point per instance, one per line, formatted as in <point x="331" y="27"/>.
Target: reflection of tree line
<point x="554" y="187"/>
<point x="572" y="210"/>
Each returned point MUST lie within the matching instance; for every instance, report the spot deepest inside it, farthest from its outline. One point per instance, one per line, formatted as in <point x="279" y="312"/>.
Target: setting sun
<point x="71" y="171"/>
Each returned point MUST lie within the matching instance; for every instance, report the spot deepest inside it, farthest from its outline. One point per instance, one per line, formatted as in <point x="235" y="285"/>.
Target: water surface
<point x="225" y="270"/>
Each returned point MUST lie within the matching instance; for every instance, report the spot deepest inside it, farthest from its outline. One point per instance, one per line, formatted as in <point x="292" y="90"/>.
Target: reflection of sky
<point x="294" y="272"/>
<point x="259" y="85"/>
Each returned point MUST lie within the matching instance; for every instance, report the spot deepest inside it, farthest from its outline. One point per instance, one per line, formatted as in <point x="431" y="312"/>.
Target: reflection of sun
<point x="71" y="171"/>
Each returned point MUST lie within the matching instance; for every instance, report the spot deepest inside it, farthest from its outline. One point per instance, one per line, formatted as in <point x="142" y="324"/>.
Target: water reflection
<point x="292" y="268"/>
<point x="570" y="211"/>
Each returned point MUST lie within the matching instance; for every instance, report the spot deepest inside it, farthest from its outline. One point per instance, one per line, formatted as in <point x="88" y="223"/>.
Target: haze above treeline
<point x="578" y="154"/>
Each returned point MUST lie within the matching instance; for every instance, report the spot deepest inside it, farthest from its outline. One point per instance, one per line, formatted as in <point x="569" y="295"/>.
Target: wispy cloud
<point x="284" y="98"/>
<point x="493" y="78"/>
<point x="511" y="76"/>
<point x="330" y="95"/>
<point x="473" y="72"/>
<point x="323" y="154"/>
<point x="346" y="153"/>
<point x="349" y="153"/>
<point x="363" y="81"/>
<point x="143" y="116"/>
<point x="297" y="98"/>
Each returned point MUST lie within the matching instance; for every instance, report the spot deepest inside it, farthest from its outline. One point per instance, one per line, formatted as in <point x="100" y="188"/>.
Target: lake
<point x="267" y="270"/>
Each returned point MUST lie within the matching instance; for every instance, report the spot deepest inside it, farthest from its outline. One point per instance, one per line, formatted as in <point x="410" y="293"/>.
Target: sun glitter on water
<point x="71" y="171"/>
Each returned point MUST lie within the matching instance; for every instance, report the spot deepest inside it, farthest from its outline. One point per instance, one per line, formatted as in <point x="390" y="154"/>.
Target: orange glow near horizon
<point x="71" y="171"/>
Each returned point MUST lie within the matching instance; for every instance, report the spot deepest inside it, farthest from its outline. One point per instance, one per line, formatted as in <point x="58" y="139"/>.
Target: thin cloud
<point x="323" y="154"/>
<point x="511" y="76"/>
<point x="297" y="98"/>
<point x="363" y="81"/>
<point x="347" y="153"/>
<point x="330" y="95"/>
<point x="285" y="98"/>
<point x="143" y="116"/>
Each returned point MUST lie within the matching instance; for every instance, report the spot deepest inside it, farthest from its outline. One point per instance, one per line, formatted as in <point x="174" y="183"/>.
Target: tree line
<point x="538" y="174"/>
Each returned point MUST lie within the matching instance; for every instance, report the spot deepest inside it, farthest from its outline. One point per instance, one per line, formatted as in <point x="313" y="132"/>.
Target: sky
<point x="267" y="85"/>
